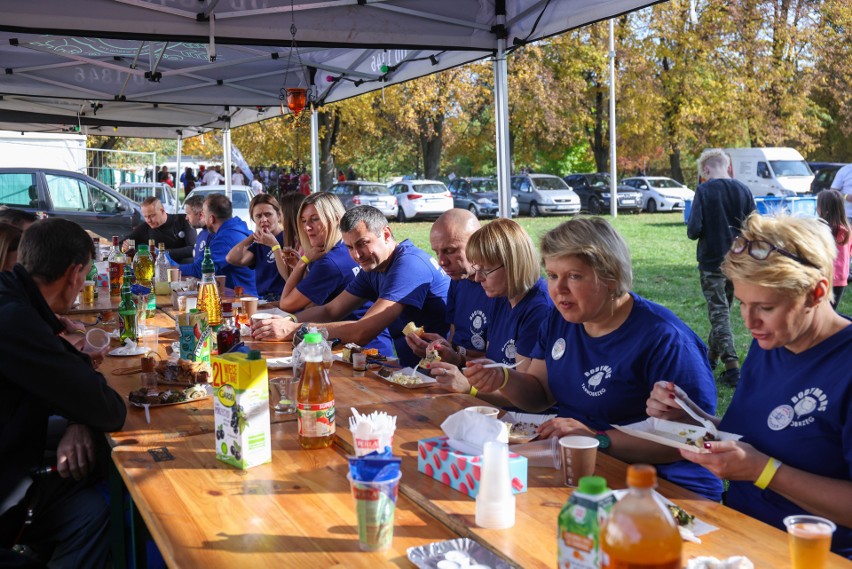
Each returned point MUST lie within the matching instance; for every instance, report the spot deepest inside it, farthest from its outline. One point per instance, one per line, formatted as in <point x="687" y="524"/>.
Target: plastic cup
<point x="495" y="503"/>
<point x="579" y="455"/>
<point x="249" y="305"/>
<point x="375" y="504"/>
<point x="542" y="453"/>
<point x="220" y="284"/>
<point x="810" y="541"/>
<point x="371" y="443"/>
<point x="283" y="394"/>
<point x="88" y="292"/>
<point x="174" y="275"/>
<point x="149" y="337"/>
<point x="97" y="339"/>
<point x="484" y="410"/>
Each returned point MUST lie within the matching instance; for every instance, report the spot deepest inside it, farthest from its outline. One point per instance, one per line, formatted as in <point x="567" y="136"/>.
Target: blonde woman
<point x="792" y="406"/>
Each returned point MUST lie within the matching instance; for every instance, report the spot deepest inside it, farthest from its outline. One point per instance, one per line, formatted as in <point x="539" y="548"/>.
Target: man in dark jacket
<point x="720" y="206"/>
<point x="171" y="229"/>
<point x="44" y="375"/>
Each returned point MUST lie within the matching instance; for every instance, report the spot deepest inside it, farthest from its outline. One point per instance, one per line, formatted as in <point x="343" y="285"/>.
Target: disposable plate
<point x="424" y="380"/>
<point x="673" y="434"/>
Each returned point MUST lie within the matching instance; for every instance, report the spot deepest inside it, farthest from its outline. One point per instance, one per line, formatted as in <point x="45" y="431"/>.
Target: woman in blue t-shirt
<point x="793" y="404"/>
<point x="506" y="264"/>
<point x="598" y="354"/>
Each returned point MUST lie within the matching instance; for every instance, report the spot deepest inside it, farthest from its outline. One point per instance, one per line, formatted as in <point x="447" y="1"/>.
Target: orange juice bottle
<point x="640" y="533"/>
<point x="315" y="397"/>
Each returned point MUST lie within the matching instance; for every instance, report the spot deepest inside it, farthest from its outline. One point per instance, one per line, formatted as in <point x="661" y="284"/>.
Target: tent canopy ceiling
<point x="156" y="68"/>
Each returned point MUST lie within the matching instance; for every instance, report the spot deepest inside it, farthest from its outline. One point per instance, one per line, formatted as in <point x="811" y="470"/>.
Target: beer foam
<point x="810" y="530"/>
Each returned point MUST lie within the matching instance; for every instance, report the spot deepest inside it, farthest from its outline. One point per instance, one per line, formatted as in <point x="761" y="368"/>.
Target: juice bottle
<point x="116" y="267"/>
<point x="315" y="397"/>
<point x="228" y="335"/>
<point x="143" y="268"/>
<point x="127" y="314"/>
<point x="208" y="292"/>
<point x="578" y="536"/>
<point x="640" y="533"/>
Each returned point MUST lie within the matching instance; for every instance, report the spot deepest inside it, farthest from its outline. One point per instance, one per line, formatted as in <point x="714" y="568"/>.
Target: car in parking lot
<point x="362" y="192"/>
<point x="479" y="196"/>
<point x="594" y="192"/>
<point x="544" y="194"/>
<point x="824" y="176"/>
<point x="660" y="193"/>
<point x="70" y="195"/>
<point x="421" y="199"/>
<point x="140" y="191"/>
<point x="240" y="199"/>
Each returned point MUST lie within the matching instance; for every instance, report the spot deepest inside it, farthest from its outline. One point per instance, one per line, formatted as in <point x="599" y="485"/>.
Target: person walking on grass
<point x="719" y="209"/>
<point x="830" y="208"/>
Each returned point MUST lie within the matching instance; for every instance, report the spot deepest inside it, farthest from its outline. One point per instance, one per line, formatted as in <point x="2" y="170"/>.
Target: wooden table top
<point x="296" y="510"/>
<point x="531" y="542"/>
<point x="105" y="303"/>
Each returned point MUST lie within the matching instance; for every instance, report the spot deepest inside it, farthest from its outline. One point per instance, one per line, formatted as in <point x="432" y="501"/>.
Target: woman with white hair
<point x="793" y="404"/>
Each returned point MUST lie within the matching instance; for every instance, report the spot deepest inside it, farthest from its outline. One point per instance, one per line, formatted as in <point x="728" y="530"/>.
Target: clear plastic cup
<point x="542" y="453"/>
<point x="375" y="504"/>
<point x="810" y="540"/>
<point x="97" y="339"/>
<point x="283" y="394"/>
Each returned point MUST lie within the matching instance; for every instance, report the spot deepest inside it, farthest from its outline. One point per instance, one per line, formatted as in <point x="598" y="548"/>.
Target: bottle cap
<point x="641" y="476"/>
<point x="253" y="355"/>
<point x="143" y="249"/>
<point x="313" y="338"/>
<point x="592" y="485"/>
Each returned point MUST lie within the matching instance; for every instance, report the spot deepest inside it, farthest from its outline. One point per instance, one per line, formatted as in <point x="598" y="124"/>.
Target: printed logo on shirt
<point x="199" y="246"/>
<point x="558" y="349"/>
<point x="478" y="320"/>
<point x="594" y="378"/>
<point x="270" y="257"/>
<point x="509" y="350"/>
<point x="478" y="342"/>
<point x="356" y="270"/>
<point x="800" y="413"/>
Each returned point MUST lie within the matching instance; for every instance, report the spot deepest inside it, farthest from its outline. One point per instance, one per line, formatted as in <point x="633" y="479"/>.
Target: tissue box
<point x="460" y="471"/>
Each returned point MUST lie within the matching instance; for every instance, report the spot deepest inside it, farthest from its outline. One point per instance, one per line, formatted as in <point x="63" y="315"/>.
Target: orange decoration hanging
<point x="297" y="98"/>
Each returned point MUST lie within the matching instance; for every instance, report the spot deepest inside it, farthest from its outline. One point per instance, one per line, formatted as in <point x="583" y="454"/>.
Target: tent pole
<point x="501" y="113"/>
<point x="315" y="157"/>
<point x="613" y="180"/>
<point x="177" y="172"/>
<point x="226" y="148"/>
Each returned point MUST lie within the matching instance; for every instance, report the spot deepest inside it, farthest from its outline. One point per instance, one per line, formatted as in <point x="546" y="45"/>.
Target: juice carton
<point x="195" y="337"/>
<point x="241" y="409"/>
<point x="578" y="537"/>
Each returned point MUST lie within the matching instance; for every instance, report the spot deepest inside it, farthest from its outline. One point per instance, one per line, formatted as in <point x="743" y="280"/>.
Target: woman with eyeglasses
<point x="598" y="355"/>
<point x="506" y="264"/>
<point x="793" y="406"/>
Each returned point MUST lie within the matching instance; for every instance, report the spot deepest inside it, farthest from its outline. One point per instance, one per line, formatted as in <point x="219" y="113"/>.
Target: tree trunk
<point x="431" y="142"/>
<point x="599" y="147"/>
<point x="329" y="127"/>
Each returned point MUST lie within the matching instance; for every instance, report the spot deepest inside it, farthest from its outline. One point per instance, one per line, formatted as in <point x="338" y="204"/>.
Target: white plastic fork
<point x="706" y="423"/>
<point x="507" y="366"/>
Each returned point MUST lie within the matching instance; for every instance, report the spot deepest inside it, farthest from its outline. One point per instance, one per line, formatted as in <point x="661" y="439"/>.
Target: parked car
<point x="594" y="192"/>
<point x="421" y="199"/>
<point x="359" y="192"/>
<point x="660" y="193"/>
<point x="70" y="195"/>
<point x="140" y="191"/>
<point x="824" y="177"/>
<point x="479" y="196"/>
<point x="544" y="194"/>
<point x="240" y="199"/>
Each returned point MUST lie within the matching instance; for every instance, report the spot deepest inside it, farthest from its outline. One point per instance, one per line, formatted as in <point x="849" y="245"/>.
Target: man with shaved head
<point x="468" y="308"/>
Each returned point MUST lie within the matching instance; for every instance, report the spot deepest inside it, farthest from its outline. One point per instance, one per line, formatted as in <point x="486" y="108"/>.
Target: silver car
<point x="544" y="194"/>
<point x="140" y="191"/>
<point x="241" y="197"/>
<point x="362" y="192"/>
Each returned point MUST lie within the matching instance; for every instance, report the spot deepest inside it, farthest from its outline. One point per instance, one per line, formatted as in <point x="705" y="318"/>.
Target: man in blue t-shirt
<point x="403" y="282"/>
<point x="468" y="307"/>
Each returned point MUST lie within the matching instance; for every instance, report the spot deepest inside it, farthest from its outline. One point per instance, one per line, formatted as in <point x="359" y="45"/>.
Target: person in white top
<point x="843" y="184"/>
<point x="213" y="177"/>
<point x="256" y="186"/>
<point x="237" y="178"/>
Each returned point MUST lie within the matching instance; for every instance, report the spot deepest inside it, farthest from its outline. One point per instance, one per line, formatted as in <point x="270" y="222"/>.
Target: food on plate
<point x="699" y="441"/>
<point x="522" y="429"/>
<point x="401" y="378"/>
<point x="431" y="356"/>
<point x="142" y="396"/>
<point x="184" y="372"/>
<point x="412" y="328"/>
<point x="371" y="353"/>
<point x="680" y="515"/>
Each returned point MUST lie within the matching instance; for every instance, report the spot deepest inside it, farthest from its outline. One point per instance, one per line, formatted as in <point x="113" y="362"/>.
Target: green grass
<point x="664" y="270"/>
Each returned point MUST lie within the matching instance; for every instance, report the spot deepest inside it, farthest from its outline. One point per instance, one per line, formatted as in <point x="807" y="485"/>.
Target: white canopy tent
<point x="172" y="68"/>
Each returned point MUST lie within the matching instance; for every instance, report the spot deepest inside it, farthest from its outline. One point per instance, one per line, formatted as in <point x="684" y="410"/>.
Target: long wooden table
<point x="298" y="508"/>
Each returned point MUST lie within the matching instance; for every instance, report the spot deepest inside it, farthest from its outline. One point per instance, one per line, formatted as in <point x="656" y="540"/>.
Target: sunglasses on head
<point x="760" y="250"/>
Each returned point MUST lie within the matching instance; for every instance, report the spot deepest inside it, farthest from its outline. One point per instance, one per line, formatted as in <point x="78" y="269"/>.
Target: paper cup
<point x="578" y="458"/>
<point x="810" y="541"/>
<point x="249" y="305"/>
<point x="174" y="275"/>
<point x="484" y="410"/>
<point x="375" y="504"/>
<point x="220" y="284"/>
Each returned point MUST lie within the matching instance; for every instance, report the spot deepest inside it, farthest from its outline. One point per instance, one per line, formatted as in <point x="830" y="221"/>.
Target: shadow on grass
<point x="667" y="224"/>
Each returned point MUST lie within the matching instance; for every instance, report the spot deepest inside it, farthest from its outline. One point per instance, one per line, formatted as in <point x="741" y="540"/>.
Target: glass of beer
<point x="88" y="292"/>
<point x="810" y="540"/>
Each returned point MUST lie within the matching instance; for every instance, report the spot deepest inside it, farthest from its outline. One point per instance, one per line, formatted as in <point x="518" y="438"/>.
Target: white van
<point x="771" y="171"/>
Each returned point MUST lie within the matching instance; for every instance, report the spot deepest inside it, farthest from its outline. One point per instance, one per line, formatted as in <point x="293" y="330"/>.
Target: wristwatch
<point x="603" y="439"/>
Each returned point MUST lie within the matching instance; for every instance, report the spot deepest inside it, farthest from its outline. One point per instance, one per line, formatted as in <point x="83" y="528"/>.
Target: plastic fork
<point x="706" y="423"/>
<point x="507" y="366"/>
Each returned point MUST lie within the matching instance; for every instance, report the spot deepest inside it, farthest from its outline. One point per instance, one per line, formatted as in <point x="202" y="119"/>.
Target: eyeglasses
<point x="482" y="273"/>
<point x="760" y="250"/>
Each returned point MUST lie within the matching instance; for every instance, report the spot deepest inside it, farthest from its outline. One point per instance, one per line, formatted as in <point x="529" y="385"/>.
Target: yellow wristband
<point x="772" y="466"/>
<point x="294" y="318"/>
<point x="473" y="391"/>
<point x="305" y="259"/>
<point x="505" y="378"/>
<point x="275" y="248"/>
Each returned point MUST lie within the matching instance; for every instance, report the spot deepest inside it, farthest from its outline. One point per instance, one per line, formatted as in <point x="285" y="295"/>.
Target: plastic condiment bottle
<point x="640" y="533"/>
<point x="315" y="397"/>
<point x="578" y="536"/>
<point x="208" y="291"/>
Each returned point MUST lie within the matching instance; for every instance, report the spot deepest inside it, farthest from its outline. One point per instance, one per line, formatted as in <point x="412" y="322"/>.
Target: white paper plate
<point x="425" y="380"/>
<point x="125" y="351"/>
<point x="284" y="362"/>
<point x="671" y="433"/>
<point x="697" y="526"/>
<point x="512" y="417"/>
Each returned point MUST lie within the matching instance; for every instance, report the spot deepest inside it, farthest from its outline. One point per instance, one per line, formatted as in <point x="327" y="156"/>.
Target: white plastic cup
<point x="283" y="393"/>
<point x="543" y="452"/>
<point x="375" y="504"/>
<point x="97" y="339"/>
<point x="495" y="502"/>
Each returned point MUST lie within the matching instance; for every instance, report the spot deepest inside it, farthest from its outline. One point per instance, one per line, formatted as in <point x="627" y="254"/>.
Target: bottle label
<point x="316" y="420"/>
<point x="578" y="545"/>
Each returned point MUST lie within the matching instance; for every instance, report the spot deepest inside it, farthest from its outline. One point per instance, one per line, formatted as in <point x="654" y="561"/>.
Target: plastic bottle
<point x="93" y="269"/>
<point x="208" y="292"/>
<point x="161" y="272"/>
<point x="228" y="335"/>
<point x="143" y="268"/>
<point x="578" y="536"/>
<point x="640" y="533"/>
<point x="127" y="314"/>
<point x="116" y="260"/>
<point x="315" y="397"/>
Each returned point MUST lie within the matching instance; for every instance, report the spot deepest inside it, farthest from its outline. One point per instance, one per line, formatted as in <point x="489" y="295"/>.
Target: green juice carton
<point x="241" y="409"/>
<point x="580" y="522"/>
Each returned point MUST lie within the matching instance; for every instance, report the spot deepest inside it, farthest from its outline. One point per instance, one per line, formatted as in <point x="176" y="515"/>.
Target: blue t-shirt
<point x="327" y="277"/>
<point x="194" y="268"/>
<point x="415" y="280"/>
<point x="796" y="408"/>
<point x="606" y="381"/>
<point x="469" y="310"/>
<point x="514" y="331"/>
<point x="266" y="276"/>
